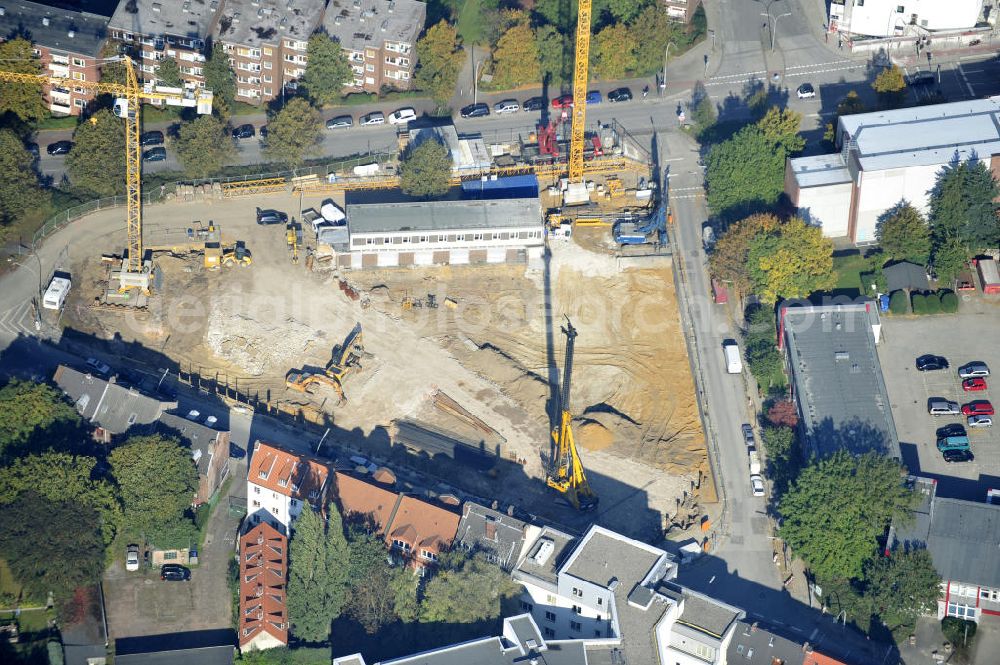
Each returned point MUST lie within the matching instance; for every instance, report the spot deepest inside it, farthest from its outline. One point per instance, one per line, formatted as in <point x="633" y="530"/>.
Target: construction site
<point x="523" y="331"/>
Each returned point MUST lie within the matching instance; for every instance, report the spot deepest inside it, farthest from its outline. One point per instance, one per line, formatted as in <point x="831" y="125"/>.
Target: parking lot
<point x="961" y="338"/>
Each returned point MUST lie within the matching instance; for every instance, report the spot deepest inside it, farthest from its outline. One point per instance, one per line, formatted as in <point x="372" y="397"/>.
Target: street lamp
<point x="666" y="52"/>
<point x="774" y="23"/>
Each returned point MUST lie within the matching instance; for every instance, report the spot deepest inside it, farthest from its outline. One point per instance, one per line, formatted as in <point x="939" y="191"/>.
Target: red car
<point x="974" y="385"/>
<point x="980" y="407"/>
<point x="564" y="102"/>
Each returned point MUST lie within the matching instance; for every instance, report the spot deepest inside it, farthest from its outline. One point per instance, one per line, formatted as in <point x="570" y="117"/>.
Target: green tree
<point x="203" y="147"/>
<point x="371" y="601"/>
<point x="51" y="545"/>
<point x="783" y="457"/>
<point x="168" y="72"/>
<point x="61" y="477"/>
<point x="294" y="134"/>
<point x="962" y="204"/>
<point x="286" y="656"/>
<point x="728" y="260"/>
<point x="515" y="59"/>
<point x="612" y="52"/>
<point x="951" y="256"/>
<point x="744" y="173"/>
<point x="24" y="100"/>
<point x="97" y="161"/>
<point x="426" y="171"/>
<point x="327" y="71"/>
<point x="849" y="105"/>
<point x="703" y="115"/>
<point x="157" y="479"/>
<point x="220" y="79"/>
<point x="783" y="413"/>
<point x="652" y="31"/>
<point x="317" y="576"/>
<point x="949" y="301"/>
<point x="781" y="127"/>
<point x="624" y="11"/>
<point x="890" y="86"/>
<point x="792" y="262"/>
<point x="466" y="593"/>
<point x="35" y="417"/>
<point x="836" y="510"/>
<point x="112" y="71"/>
<point x="900" y="588"/>
<point x="405" y="587"/>
<point x="552" y="47"/>
<point x="19" y="188"/>
<point x="439" y="62"/>
<point x="904" y="235"/>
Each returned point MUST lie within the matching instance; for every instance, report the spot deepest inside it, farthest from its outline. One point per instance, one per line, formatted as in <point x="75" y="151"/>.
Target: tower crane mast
<point x="580" y="73"/>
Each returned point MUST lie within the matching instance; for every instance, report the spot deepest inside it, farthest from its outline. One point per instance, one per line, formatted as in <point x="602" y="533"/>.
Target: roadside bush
<point x="954" y="630"/>
<point x="932" y="304"/>
<point x="897" y="302"/>
<point x="949" y="301"/>
<point x="918" y="302"/>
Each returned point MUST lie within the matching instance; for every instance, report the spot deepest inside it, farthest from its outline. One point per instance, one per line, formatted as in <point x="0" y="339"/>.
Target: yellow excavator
<point x="566" y="473"/>
<point x="346" y="358"/>
<point x="237" y="255"/>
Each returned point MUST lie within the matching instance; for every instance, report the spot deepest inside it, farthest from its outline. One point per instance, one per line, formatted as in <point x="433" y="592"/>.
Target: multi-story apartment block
<point x="266" y="41"/>
<point x="152" y="30"/>
<point x="893" y="18"/>
<point x="380" y="37"/>
<point x="67" y="42"/>
<point x="280" y="483"/>
<point x="263" y="619"/>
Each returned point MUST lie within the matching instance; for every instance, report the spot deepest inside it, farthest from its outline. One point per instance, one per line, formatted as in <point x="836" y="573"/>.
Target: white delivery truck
<point x="754" y="462"/>
<point x="56" y="294"/>
<point x="734" y="364"/>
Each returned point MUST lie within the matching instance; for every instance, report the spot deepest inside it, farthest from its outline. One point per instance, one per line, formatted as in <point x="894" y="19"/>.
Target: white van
<point x="506" y="106"/>
<point x="734" y="364"/>
<point x="55" y="295"/>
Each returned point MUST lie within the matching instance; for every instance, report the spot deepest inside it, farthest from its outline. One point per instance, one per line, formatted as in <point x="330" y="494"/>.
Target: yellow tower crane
<point x="580" y="72"/>
<point x="135" y="271"/>
<point x="566" y="474"/>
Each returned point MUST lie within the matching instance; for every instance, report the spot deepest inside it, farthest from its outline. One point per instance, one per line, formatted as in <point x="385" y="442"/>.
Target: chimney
<point x="71" y="34"/>
<point x="45" y="21"/>
<point x="753" y="628"/>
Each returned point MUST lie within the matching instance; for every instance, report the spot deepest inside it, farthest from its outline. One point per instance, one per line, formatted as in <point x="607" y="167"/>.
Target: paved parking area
<point x="961" y="338"/>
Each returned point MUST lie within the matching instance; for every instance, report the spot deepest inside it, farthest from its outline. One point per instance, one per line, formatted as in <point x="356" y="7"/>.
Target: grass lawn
<point x="152" y="113"/>
<point x="848" y="267"/>
<point x="58" y="122"/>
<point x="471" y="26"/>
<point x="242" y="108"/>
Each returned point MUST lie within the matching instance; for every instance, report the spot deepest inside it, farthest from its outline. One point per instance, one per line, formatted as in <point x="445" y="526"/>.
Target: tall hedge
<point x="897" y="302"/>
<point x="949" y="301"/>
<point x="919" y="303"/>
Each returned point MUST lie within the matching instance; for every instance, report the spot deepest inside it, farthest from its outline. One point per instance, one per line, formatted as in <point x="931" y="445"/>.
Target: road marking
<point x="684" y="189"/>
<point x="818" y="64"/>
<point x="972" y="71"/>
<point x="965" y="80"/>
<point x="688" y="196"/>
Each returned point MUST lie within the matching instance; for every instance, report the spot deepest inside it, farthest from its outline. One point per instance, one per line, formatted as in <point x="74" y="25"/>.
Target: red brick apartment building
<point x="68" y="44"/>
<point x="266" y="41"/>
<point x="158" y="29"/>
<point x="380" y="37"/>
<point x="263" y="620"/>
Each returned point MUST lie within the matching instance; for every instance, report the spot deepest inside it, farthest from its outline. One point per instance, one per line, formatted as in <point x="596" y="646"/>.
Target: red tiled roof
<point x="423" y="525"/>
<point x="298" y="476"/>
<point x="263" y="571"/>
<point x="816" y="658"/>
<point x="361" y="499"/>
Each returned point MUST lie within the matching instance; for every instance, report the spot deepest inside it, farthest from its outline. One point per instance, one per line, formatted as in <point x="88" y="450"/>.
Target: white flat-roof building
<point x="889" y="18"/>
<point x="888" y="156"/>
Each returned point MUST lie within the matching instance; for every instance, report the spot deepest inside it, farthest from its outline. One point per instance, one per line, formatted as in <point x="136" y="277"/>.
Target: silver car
<point x="980" y="421"/>
<point x="373" y="118"/>
<point x="756" y="485"/>
<point x="973" y="370"/>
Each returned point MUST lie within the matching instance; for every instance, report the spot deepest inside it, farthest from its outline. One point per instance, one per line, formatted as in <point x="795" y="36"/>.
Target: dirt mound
<point x="593" y="435"/>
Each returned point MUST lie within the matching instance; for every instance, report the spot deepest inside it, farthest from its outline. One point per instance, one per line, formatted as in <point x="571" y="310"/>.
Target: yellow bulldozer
<point x="346" y="359"/>
<point x="237" y="255"/>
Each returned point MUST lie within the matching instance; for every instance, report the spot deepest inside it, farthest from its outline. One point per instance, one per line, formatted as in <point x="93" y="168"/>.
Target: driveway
<point x="140" y="604"/>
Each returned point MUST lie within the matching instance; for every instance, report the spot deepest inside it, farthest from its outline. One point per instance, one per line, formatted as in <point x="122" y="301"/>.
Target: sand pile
<point x="259" y="347"/>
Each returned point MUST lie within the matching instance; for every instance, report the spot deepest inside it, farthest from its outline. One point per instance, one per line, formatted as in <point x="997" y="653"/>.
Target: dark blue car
<point x="594" y="97"/>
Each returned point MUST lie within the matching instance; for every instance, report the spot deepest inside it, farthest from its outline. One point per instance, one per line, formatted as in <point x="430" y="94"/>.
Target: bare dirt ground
<point x="494" y="353"/>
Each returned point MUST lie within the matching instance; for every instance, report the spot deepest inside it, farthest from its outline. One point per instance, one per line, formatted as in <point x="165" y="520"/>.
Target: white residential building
<point x="889" y="18"/>
<point x="280" y="483"/>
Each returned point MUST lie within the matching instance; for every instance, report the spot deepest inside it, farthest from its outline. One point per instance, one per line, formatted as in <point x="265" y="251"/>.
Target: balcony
<point x="59" y="108"/>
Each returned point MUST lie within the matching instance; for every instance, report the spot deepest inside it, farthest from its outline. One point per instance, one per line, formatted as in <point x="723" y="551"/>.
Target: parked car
<point x="373" y="118"/>
<point x="506" y="106"/>
<point x="620" y="95"/>
<point x="921" y="79"/>
<point x="929" y="363"/>
<point x="756" y="485"/>
<point x="235" y="452"/>
<point x="155" y="155"/>
<point x="244" y="132"/>
<point x="980" y="407"/>
<point x="269" y="216"/>
<point x="154" y="137"/>
<point x="263" y="132"/>
<point x="563" y="102"/>
<point x="594" y="97"/>
<point x="475" y="110"/>
<point x="977" y="368"/>
<point x="172" y="572"/>
<point x="937" y="406"/>
<point x="132" y="558"/>
<point x="533" y="104"/>
<point x="952" y="456"/>
<point x="980" y="421"/>
<point x="97" y="367"/>
<point x="951" y="429"/>
<point x="747" y="434"/>
<point x="402" y="116"/>
<point x="805" y="91"/>
<point x="340" y="121"/>
<point x="974" y="385"/>
<point x="59" y="148"/>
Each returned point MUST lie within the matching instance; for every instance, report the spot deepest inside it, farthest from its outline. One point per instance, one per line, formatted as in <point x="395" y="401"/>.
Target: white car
<point x="402" y="116"/>
<point x="373" y="118"/>
<point x="756" y="485"/>
<point x="97" y="367"/>
<point x="132" y="558"/>
<point x="506" y="106"/>
<point x="973" y="370"/>
<point x="980" y="421"/>
<point x="805" y="91"/>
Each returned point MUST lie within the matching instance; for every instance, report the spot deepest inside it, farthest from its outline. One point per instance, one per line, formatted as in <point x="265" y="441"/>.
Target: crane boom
<point x="580" y="72"/>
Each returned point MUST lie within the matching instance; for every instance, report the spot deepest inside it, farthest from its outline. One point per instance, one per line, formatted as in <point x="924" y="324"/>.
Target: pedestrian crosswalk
<point x="18" y="320"/>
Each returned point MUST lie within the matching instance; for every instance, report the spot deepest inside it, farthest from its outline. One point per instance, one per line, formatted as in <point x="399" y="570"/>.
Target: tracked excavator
<point x="566" y="474"/>
<point x="346" y="358"/>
